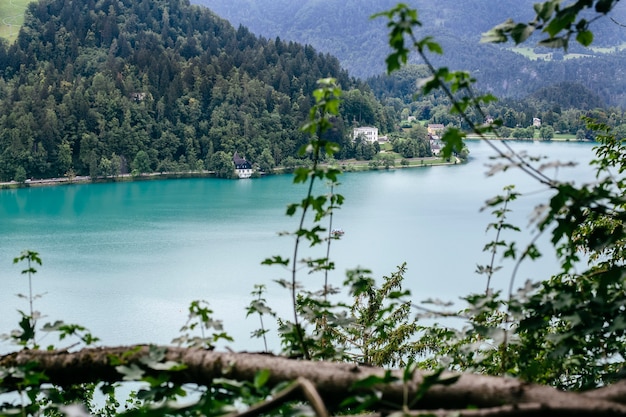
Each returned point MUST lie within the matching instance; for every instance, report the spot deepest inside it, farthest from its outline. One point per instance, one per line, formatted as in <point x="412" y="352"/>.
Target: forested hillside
<point x="344" y="29"/>
<point x="105" y="87"/>
<point x="560" y="107"/>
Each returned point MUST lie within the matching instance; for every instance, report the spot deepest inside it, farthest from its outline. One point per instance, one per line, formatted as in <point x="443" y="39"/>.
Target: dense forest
<point x="106" y="87"/>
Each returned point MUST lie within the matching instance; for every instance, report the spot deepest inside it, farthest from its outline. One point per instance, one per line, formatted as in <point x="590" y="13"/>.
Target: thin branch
<point x="330" y="238"/>
<point x="494" y="250"/>
<point x="301" y="387"/>
<point x="617" y="23"/>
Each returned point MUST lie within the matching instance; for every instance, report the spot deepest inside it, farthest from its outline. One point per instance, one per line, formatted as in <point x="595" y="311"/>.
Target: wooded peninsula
<point x="106" y="88"/>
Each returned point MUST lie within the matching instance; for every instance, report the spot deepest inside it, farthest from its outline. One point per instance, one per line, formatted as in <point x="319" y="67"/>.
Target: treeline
<point x="561" y="107"/>
<point x="100" y="87"/>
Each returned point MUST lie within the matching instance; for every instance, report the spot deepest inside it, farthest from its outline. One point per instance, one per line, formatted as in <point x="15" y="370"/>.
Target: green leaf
<point x="532" y="252"/>
<point x="560" y="22"/>
<point x="301" y="175"/>
<point x="291" y="209"/>
<point x="521" y="32"/>
<point x="557" y="43"/>
<point x="499" y="33"/>
<point x="493" y="36"/>
<point x="585" y="37"/>
<point x="545" y="10"/>
<point x="261" y="378"/>
<point x="453" y="142"/>
<point x="30" y="376"/>
<point x="605" y="6"/>
<point x="409" y="371"/>
<point x="431" y="380"/>
<point x="618" y="324"/>
<point x="428" y="43"/>
<point x="132" y="373"/>
<point x="28" y="330"/>
<point x="52" y="327"/>
<point x="373" y="380"/>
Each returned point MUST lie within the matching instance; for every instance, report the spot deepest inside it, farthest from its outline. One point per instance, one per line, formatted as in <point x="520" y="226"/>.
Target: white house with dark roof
<point x="243" y="168"/>
<point x="369" y="133"/>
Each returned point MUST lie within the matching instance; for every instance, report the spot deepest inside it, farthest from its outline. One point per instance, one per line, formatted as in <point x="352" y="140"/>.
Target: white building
<point x="369" y="133"/>
<point x="243" y="168"/>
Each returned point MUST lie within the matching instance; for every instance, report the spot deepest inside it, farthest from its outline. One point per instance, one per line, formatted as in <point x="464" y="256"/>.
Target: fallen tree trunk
<point x="470" y="395"/>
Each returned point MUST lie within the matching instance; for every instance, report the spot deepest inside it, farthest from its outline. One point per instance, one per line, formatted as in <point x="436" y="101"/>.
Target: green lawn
<point x="609" y="50"/>
<point x="11" y="17"/>
<point x="564" y="136"/>
<point x="529" y="53"/>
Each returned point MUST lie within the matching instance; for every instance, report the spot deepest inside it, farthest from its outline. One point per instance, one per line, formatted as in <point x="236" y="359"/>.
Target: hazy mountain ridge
<point x="344" y="29"/>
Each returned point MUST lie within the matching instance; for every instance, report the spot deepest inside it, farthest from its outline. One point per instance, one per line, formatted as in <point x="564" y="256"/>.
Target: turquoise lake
<point x="126" y="259"/>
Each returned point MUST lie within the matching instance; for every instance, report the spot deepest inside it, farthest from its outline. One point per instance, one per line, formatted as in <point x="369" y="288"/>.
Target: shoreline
<point x="53" y="182"/>
<point x="345" y="166"/>
<point x="476" y="137"/>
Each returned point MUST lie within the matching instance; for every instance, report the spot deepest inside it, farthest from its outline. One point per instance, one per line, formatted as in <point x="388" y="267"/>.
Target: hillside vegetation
<point x="107" y="87"/>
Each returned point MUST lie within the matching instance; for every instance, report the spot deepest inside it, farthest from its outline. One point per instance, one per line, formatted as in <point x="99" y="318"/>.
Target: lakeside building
<point x="435" y="147"/>
<point x="370" y="134"/>
<point x="435" y="129"/>
<point x="243" y="168"/>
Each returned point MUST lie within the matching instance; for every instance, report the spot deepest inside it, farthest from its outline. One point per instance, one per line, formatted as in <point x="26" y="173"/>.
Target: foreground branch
<point x="486" y="395"/>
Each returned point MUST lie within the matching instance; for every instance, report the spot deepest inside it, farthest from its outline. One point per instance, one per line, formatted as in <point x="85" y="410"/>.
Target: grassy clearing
<point x="386" y="147"/>
<point x="564" y="136"/>
<point x="608" y="50"/>
<point x="576" y="56"/>
<point x="353" y="165"/>
<point x="11" y="17"/>
<point x="488" y="135"/>
<point x="529" y="53"/>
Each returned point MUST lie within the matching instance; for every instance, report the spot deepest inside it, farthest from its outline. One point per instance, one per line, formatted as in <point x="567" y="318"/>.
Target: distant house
<point x="243" y="168"/>
<point x="536" y="122"/>
<point x="435" y="129"/>
<point x="136" y="96"/>
<point x="435" y="147"/>
<point x="369" y="133"/>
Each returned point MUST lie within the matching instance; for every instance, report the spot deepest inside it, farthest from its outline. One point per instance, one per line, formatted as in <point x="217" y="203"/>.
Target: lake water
<point x="126" y="259"/>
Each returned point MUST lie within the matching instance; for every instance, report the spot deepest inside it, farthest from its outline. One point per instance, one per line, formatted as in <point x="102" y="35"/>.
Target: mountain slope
<point x="344" y="29"/>
<point x="102" y="87"/>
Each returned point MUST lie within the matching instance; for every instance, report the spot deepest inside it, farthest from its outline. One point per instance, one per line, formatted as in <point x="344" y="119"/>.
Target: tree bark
<point x="471" y="394"/>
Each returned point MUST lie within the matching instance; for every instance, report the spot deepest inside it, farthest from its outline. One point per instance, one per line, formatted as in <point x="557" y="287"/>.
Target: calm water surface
<point x="126" y="259"/>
